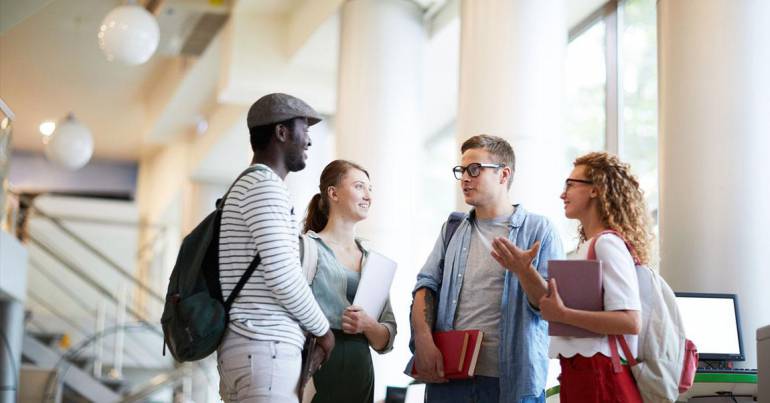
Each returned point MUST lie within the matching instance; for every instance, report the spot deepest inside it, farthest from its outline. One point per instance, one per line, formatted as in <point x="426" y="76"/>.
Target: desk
<point x="708" y="384"/>
<point x="704" y="385"/>
<point x="552" y="394"/>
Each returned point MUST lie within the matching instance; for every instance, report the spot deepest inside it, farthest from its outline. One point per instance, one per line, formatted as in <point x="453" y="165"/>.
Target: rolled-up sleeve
<point x="388" y="320"/>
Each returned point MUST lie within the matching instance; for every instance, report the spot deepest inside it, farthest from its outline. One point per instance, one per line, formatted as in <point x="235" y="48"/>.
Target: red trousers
<point x="585" y="380"/>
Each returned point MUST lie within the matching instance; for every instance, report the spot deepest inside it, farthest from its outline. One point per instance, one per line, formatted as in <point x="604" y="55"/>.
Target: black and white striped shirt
<point x="276" y="300"/>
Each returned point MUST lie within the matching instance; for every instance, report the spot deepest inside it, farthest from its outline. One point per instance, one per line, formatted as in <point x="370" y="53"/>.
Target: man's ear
<point x="281" y="133"/>
<point x="506" y="176"/>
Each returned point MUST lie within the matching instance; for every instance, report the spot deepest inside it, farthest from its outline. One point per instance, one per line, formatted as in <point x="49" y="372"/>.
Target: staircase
<point x="80" y="381"/>
<point x="92" y="331"/>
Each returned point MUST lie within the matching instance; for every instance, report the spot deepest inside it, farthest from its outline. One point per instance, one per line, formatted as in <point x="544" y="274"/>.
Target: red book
<point x="460" y="349"/>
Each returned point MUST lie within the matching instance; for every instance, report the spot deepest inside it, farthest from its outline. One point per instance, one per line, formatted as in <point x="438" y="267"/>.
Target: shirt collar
<point x="515" y="221"/>
<point x="362" y="243"/>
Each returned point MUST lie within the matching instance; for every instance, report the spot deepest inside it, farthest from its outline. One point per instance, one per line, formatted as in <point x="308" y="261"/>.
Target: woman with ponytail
<point x="343" y="201"/>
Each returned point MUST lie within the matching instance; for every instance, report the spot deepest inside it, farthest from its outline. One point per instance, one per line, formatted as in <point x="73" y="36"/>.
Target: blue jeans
<point x="480" y="389"/>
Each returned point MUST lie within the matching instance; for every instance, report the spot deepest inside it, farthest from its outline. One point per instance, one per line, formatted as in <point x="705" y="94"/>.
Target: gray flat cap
<point x="277" y="107"/>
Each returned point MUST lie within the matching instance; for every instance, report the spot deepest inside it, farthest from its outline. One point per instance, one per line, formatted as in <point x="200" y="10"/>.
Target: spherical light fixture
<point x="129" y="34"/>
<point x="46" y="128"/>
<point x="71" y="144"/>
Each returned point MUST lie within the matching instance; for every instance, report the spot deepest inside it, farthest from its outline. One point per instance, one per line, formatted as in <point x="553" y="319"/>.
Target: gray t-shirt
<point x="482" y="291"/>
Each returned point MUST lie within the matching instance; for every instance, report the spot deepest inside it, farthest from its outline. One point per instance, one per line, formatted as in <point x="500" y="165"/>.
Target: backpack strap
<point x="452" y="223"/>
<point x="615" y="339"/>
<point x="592" y="246"/>
<point x="242" y="282"/>
<point x="615" y="357"/>
<point x="308" y="247"/>
<point x="308" y="250"/>
<point x="221" y="202"/>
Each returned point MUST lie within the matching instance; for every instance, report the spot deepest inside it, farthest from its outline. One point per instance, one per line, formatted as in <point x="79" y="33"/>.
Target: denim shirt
<point x="523" y="364"/>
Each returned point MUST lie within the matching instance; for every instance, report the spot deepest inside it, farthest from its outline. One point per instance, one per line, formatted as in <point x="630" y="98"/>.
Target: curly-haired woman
<point x="603" y="195"/>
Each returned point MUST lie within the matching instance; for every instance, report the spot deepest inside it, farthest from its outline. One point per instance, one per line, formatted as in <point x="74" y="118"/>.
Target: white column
<point x="379" y="126"/>
<point x="511" y="72"/>
<point x="714" y="167"/>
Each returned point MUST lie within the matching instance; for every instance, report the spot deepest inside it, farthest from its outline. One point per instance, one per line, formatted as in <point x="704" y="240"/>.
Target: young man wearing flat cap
<point x="259" y="358"/>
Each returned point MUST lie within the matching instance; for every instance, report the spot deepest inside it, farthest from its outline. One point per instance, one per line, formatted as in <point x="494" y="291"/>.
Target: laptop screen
<point x="712" y="322"/>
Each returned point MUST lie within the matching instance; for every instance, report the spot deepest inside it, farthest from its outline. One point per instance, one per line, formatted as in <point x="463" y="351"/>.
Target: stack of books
<point x="460" y="349"/>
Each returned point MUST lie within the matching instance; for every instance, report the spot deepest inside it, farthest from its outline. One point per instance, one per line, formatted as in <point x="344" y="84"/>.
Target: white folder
<point x="374" y="287"/>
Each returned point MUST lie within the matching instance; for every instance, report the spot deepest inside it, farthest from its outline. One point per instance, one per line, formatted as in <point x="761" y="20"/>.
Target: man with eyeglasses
<point x="464" y="285"/>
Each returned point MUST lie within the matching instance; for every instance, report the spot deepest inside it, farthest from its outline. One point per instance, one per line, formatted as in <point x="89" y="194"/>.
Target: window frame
<point x="611" y="13"/>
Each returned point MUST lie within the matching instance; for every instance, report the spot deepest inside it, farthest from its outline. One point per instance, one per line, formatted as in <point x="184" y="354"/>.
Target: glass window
<point x="640" y="95"/>
<point x="585" y="80"/>
<point x="640" y="101"/>
<point x="586" y="76"/>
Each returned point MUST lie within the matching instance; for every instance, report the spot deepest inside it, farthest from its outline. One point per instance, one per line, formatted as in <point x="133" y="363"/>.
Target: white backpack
<point x="308" y="255"/>
<point x="667" y="360"/>
<point x="308" y="252"/>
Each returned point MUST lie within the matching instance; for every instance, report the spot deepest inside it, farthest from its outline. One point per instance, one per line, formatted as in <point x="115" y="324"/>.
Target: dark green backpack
<point x="195" y="314"/>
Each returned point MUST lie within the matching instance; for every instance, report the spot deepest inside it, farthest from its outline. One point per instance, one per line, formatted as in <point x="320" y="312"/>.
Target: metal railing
<point x="45" y="252"/>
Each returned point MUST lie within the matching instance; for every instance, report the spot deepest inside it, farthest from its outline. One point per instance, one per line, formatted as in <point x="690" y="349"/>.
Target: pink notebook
<point x="580" y="287"/>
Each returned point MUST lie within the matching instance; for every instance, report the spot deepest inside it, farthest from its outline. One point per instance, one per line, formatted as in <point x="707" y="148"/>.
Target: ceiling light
<point x="129" y="34"/>
<point x="201" y="125"/>
<point x="47" y="128"/>
<point x="71" y="144"/>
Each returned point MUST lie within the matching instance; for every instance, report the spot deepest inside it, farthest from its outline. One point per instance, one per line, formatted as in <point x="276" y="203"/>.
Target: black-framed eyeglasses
<point x="570" y="182"/>
<point x="473" y="169"/>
